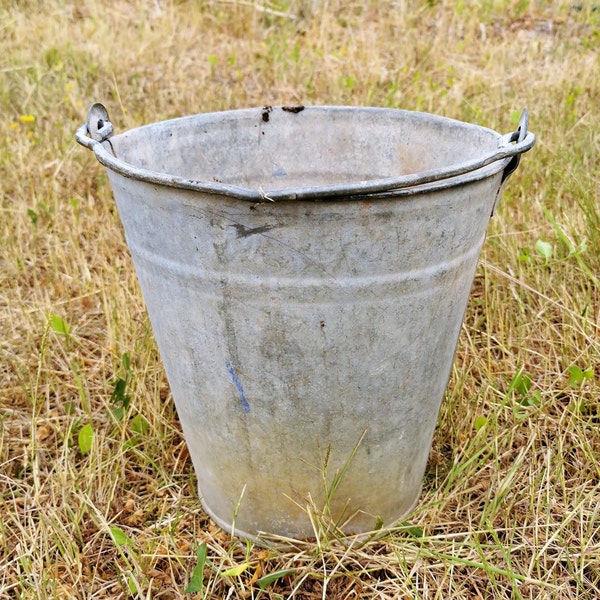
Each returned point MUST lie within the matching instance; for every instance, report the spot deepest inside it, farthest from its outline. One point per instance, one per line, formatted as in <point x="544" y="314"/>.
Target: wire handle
<point x="98" y="129"/>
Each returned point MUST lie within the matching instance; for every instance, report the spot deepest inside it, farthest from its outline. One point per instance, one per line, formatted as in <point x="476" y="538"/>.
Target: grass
<point x="97" y="493"/>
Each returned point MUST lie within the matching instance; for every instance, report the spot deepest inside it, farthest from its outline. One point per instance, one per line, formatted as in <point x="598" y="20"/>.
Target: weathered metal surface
<point x="328" y="306"/>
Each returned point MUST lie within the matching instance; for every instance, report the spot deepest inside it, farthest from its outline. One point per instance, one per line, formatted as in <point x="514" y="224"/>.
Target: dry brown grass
<point x="508" y="511"/>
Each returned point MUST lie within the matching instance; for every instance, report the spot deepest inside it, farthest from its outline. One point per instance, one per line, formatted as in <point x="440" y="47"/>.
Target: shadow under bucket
<point x="306" y="272"/>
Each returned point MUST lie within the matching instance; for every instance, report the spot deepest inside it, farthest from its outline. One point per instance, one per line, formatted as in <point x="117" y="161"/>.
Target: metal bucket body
<point x="293" y="323"/>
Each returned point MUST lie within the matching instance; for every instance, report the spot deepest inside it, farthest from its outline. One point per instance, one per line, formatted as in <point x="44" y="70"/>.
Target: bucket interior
<point x="274" y="148"/>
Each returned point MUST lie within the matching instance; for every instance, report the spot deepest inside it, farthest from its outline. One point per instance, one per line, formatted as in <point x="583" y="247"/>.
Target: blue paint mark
<point x="240" y="389"/>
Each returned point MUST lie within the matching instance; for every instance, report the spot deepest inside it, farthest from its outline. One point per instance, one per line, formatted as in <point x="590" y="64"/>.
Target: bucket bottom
<point x="274" y="539"/>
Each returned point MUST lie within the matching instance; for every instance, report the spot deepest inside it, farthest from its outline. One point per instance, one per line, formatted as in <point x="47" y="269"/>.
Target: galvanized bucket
<point x="306" y="272"/>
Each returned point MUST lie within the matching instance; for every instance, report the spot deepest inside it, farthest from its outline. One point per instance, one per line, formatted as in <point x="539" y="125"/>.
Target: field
<point x="97" y="492"/>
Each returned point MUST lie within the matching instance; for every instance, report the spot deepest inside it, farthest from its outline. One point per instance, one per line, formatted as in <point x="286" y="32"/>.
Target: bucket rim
<point x="96" y="132"/>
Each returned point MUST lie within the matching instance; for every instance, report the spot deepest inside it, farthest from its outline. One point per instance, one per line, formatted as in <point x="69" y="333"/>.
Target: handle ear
<point x="99" y="127"/>
<point x="517" y="136"/>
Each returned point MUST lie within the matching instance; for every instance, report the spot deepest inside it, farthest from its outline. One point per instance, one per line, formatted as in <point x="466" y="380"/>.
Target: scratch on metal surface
<point x="240" y="389"/>
<point x="241" y="230"/>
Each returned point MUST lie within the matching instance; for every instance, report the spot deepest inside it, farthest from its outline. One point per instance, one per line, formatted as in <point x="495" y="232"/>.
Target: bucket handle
<point x="516" y="137"/>
<point x="98" y="129"/>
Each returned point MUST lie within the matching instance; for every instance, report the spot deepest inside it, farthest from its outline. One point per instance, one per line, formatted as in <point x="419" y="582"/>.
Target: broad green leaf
<point x="197" y="579"/>
<point x="235" y="571"/>
<point x="32" y="215"/>
<point x="59" y="325"/>
<point x="118" y="413"/>
<point x="263" y="582"/>
<point x="577" y="375"/>
<point x="416" y="532"/>
<point x="118" y="396"/>
<point x="544" y="249"/>
<point x="119" y="536"/>
<point x="525" y="255"/>
<point x="85" y="439"/>
<point x="521" y="383"/>
<point x="534" y="400"/>
<point x="132" y="584"/>
<point x="412" y="530"/>
<point x="139" y="424"/>
<point x="480" y="423"/>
